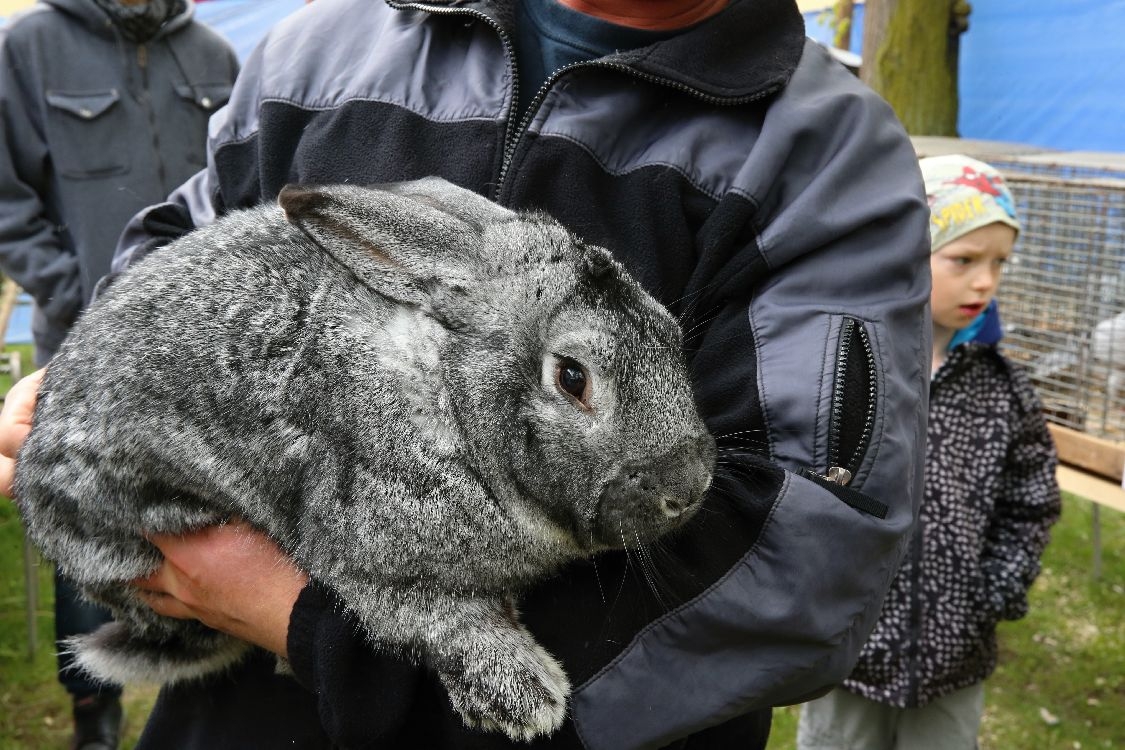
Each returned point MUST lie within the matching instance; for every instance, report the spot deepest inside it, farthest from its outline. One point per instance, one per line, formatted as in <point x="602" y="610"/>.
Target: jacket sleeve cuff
<point x="363" y="694"/>
<point x="311" y="605"/>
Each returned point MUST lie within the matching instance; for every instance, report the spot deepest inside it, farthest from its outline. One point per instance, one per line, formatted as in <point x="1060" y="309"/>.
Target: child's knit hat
<point x="964" y="194"/>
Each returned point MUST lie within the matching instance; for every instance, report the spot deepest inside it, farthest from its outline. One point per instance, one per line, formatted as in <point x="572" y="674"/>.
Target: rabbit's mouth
<point x="642" y="501"/>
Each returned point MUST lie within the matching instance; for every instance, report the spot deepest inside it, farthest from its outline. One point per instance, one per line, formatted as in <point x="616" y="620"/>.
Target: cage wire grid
<point x="1062" y="298"/>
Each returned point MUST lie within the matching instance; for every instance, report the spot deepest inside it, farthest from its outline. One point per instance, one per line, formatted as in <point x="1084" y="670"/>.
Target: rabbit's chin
<point x="633" y="530"/>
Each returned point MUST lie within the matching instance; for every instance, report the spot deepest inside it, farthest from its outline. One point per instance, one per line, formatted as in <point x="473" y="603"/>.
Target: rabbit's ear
<point x="395" y="244"/>
<point x="469" y="207"/>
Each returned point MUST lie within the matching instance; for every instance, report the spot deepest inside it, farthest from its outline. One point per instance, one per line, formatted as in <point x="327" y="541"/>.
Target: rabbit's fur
<point x="378" y="379"/>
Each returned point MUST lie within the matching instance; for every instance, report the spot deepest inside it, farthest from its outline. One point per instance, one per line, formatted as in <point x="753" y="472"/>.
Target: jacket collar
<point x="746" y="51"/>
<point x="94" y="18"/>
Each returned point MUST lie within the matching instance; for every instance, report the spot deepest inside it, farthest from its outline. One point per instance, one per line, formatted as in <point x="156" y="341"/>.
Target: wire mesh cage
<point x="1063" y="298"/>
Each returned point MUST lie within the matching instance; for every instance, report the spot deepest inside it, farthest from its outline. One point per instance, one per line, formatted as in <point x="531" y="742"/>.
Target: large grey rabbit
<point x="428" y="400"/>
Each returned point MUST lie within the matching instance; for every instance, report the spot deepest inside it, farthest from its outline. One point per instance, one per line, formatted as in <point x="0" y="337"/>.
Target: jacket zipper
<point x="513" y="135"/>
<point x="510" y="54"/>
<point x="146" y="97"/>
<point x="847" y="441"/>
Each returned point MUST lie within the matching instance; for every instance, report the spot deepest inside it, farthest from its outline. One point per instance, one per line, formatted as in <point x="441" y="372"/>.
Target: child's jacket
<point x="990" y="498"/>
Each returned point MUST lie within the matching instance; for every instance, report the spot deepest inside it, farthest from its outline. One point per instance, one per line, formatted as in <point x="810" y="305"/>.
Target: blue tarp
<point x="818" y="25"/>
<point x="19" y="325"/>
<point x="1047" y="73"/>
<point x="243" y="22"/>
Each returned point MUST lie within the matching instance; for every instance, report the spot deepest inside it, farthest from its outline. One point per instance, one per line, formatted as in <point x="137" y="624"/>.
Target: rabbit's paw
<point x="522" y="693"/>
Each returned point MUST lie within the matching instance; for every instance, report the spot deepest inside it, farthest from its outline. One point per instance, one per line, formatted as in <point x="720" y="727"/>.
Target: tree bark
<point x="842" y="13"/>
<point x="910" y="57"/>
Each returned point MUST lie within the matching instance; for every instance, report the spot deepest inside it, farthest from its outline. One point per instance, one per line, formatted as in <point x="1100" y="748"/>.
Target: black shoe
<point x="97" y="722"/>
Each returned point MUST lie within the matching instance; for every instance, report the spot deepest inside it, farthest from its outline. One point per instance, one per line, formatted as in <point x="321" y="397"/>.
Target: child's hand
<point x="232" y="578"/>
<point x="15" y="423"/>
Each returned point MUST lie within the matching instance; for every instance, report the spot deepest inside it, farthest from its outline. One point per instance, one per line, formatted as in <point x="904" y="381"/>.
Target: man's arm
<point x="821" y="320"/>
<point x="31" y="251"/>
<point x="188" y="207"/>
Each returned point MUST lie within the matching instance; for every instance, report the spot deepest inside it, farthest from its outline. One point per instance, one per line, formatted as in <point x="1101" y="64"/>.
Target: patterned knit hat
<point x="964" y="194"/>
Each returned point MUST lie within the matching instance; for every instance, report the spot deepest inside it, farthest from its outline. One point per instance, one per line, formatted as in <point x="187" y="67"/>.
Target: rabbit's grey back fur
<point x="428" y="400"/>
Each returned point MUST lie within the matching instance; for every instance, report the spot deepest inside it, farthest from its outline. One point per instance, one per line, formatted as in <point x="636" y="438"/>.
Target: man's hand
<point x="232" y="578"/>
<point x="15" y="423"/>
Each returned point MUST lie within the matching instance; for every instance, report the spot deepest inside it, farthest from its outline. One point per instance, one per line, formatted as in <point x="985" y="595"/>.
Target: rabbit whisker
<point x="699" y="324"/>
<point x="598" y="578"/>
<point x="697" y="293"/>
<point x="740" y="432"/>
<point x="648" y="570"/>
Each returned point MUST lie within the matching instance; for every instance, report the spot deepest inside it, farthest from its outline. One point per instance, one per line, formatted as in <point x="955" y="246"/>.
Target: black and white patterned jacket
<point x="989" y="501"/>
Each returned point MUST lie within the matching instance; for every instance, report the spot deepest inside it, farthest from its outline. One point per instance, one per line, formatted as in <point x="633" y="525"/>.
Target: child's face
<point x="966" y="273"/>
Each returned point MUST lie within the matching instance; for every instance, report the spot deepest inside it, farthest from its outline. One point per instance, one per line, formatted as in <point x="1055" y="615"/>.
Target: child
<point x="990" y="498"/>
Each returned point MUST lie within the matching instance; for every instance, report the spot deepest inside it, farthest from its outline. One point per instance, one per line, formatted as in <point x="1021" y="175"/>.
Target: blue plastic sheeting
<point x="243" y="23"/>
<point x="818" y="25"/>
<point x="1047" y="73"/>
<point x="19" y="325"/>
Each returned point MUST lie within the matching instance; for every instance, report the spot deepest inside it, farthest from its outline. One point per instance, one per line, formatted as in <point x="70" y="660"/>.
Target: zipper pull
<point x="839" y="475"/>
<point x="142" y="55"/>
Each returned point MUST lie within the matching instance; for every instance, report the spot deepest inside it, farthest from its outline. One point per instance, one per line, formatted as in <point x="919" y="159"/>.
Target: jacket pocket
<point x="87" y="134"/>
<point x="207" y="96"/>
<point x="854" y="401"/>
<point x="198" y="102"/>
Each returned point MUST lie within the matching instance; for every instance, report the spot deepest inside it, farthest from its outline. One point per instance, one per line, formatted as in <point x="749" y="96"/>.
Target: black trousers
<point x="75" y="616"/>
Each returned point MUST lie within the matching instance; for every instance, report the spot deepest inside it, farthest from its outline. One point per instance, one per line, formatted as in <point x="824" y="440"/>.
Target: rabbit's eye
<point x="573" y="380"/>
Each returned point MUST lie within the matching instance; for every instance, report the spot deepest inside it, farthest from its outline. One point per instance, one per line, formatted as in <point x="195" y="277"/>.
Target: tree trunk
<point x="842" y="13"/>
<point x="910" y="55"/>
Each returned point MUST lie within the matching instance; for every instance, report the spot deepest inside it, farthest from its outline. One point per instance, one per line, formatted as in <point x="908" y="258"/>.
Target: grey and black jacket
<point x="757" y="189"/>
<point x="95" y="128"/>
<point x="990" y="499"/>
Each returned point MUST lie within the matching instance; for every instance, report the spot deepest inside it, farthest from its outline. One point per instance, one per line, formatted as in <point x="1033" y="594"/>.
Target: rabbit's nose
<point x="676" y="504"/>
<point x="647" y="487"/>
<point x="644" y="499"/>
<point x="686" y="472"/>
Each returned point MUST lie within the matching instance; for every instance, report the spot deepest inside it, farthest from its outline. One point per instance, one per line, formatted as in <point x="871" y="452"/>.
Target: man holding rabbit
<point x="755" y="188"/>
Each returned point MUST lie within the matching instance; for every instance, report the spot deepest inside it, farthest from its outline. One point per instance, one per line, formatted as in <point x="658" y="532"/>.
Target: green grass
<point x="1065" y="660"/>
<point x="34" y="708"/>
<point x="1067" y="657"/>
